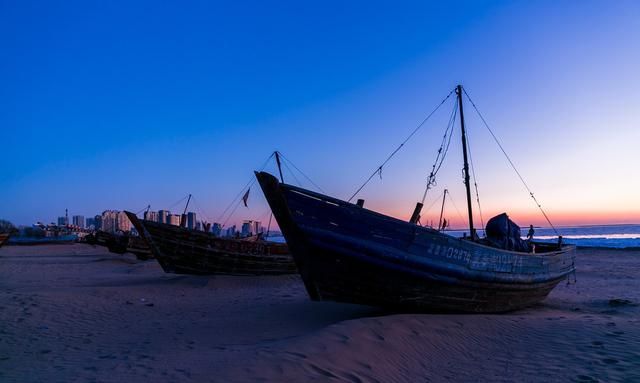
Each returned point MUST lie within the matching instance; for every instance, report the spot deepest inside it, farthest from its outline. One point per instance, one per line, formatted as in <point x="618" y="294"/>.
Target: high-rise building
<point x="199" y="226"/>
<point x="151" y="216"/>
<point x="110" y="221"/>
<point x="216" y="229"/>
<point x="191" y="220"/>
<point x="123" y="222"/>
<point x="97" y="225"/>
<point x="90" y="223"/>
<point x="231" y="231"/>
<point x="78" y="220"/>
<point x="173" y="219"/>
<point x="63" y="221"/>
<point x="257" y="227"/>
<point x="163" y="216"/>
<point x="245" y="231"/>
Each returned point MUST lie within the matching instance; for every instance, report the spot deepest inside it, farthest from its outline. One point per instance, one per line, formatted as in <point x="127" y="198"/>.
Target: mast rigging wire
<point x="301" y="172"/>
<point x="379" y="168"/>
<point x="475" y="183"/>
<point x="243" y="190"/>
<point x="510" y="162"/>
<point x="446" y="139"/>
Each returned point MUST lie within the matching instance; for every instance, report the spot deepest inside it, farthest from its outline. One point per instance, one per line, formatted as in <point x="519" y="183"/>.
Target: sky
<point x="118" y="105"/>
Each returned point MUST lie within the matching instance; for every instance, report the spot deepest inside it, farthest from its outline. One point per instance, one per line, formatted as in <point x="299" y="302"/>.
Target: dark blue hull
<point x="350" y="254"/>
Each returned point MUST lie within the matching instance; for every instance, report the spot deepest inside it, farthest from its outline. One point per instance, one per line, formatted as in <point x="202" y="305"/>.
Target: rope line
<point x="292" y="173"/>
<point x="456" y="207"/>
<point x="475" y="183"/>
<point x="179" y="201"/>
<point x="200" y="210"/>
<point x="379" y="168"/>
<point x="301" y="172"/>
<point x="510" y="162"/>
<point x="244" y="189"/>
<point x="442" y="151"/>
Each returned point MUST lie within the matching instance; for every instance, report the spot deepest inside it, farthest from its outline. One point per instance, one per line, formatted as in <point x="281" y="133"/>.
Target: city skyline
<point x="205" y="96"/>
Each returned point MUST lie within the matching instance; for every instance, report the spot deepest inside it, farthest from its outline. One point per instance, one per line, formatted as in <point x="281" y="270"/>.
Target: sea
<point x="606" y="236"/>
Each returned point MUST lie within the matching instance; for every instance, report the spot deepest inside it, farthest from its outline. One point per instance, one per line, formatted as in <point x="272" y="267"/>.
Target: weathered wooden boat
<point x="4" y="237"/>
<point x="184" y="251"/>
<point x="120" y="243"/>
<point x="347" y="253"/>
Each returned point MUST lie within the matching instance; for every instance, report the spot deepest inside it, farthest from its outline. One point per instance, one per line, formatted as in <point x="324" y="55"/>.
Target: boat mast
<point x="183" y="217"/>
<point x="466" y="163"/>
<point x="279" y="166"/>
<point x="444" y="197"/>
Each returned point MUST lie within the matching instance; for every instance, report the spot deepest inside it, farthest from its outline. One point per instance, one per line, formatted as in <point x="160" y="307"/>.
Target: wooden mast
<point x="440" y="223"/>
<point x="466" y="162"/>
<point x="183" y="217"/>
<point x="279" y="166"/>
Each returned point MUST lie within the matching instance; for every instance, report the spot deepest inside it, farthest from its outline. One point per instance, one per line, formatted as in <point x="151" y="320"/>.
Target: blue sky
<point x="114" y="105"/>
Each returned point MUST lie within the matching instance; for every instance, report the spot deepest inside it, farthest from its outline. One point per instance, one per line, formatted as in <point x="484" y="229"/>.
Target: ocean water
<point x="611" y="236"/>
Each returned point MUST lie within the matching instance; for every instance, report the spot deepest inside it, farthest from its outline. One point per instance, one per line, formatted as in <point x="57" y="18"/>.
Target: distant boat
<point x="121" y="243"/>
<point x="184" y="251"/>
<point x="347" y="253"/>
<point x="4" y="237"/>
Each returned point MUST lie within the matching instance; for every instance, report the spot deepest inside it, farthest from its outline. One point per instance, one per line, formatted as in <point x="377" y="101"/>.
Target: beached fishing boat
<point x="347" y="253"/>
<point x="4" y="237"/>
<point x="121" y="243"/>
<point x="184" y="251"/>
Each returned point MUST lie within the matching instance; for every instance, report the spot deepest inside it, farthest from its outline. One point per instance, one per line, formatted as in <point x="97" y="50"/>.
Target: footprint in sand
<point x="610" y="361"/>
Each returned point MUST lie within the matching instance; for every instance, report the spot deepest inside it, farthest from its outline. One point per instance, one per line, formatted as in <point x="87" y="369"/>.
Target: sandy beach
<point x="75" y="313"/>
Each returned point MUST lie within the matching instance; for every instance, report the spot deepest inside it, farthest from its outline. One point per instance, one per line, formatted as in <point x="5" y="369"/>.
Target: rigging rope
<point x="244" y="189"/>
<point x="431" y="181"/>
<point x="199" y="209"/>
<point x="179" y="201"/>
<point x="475" y="183"/>
<point x="143" y="209"/>
<point x="455" y="206"/>
<point x="426" y="211"/>
<point x="510" y="162"/>
<point x="301" y="172"/>
<point x="379" y="168"/>
<point x="292" y="174"/>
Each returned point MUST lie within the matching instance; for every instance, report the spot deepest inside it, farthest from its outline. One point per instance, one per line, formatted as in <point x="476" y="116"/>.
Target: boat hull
<point x="350" y="254"/>
<point x="183" y="251"/>
<point x="4" y="238"/>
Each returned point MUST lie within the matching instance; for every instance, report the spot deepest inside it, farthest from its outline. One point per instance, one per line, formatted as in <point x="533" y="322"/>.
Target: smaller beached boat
<point x="4" y="237"/>
<point x="121" y="243"/>
<point x="184" y="251"/>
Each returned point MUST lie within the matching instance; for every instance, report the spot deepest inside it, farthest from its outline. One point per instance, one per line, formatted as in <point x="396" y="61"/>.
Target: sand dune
<point x="77" y="313"/>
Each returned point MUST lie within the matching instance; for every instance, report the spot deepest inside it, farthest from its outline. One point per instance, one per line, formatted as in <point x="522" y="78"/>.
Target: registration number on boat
<point x="455" y="254"/>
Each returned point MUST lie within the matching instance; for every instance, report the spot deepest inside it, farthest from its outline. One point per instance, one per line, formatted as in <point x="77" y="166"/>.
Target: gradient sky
<point x="115" y="105"/>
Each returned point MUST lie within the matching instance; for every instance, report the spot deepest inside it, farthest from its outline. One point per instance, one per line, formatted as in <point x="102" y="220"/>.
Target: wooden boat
<point x="4" y="237"/>
<point x="183" y="251"/>
<point x="121" y="243"/>
<point x="347" y="253"/>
